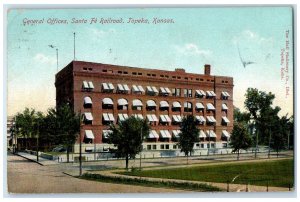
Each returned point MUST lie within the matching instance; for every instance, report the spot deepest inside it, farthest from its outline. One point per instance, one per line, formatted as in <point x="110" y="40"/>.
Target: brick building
<point x="105" y="93"/>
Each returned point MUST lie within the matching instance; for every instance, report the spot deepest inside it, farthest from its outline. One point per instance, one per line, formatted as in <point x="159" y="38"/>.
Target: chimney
<point x="180" y="70"/>
<point x="207" y="69"/>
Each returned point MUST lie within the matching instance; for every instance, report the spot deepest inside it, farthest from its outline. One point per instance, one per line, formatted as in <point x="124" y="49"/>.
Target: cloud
<point x="43" y="59"/>
<point x="192" y="49"/>
<point x="252" y="37"/>
<point x="98" y="33"/>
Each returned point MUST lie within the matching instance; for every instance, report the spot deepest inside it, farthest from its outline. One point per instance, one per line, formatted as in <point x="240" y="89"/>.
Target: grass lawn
<point x="278" y="173"/>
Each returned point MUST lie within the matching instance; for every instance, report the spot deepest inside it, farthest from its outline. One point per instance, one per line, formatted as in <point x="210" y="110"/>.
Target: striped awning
<point x="87" y="100"/>
<point x="89" y="134"/>
<point x="151" y="103"/>
<point x="164" y="104"/>
<point x="225" y="134"/>
<point x="202" y="134"/>
<point x="165" y="134"/>
<point x="153" y="135"/>
<point x="176" y="104"/>
<point x="122" y="102"/>
<point x="107" y="101"/>
<point x="137" y="103"/>
<point x="88" y="116"/>
<point x="211" y="133"/>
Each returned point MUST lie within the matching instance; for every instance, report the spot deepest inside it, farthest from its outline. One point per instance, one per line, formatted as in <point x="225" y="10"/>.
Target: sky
<point x="222" y="37"/>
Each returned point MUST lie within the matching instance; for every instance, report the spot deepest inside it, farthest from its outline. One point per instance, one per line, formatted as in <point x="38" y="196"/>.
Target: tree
<point x="189" y="135"/>
<point x="240" y="138"/>
<point x="241" y="117"/>
<point x="127" y="137"/>
<point x="67" y="126"/>
<point x="25" y="124"/>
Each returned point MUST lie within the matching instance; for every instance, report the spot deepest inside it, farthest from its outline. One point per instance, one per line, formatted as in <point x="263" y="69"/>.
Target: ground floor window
<point x="167" y="146"/>
<point x="154" y="147"/>
<point x="224" y="145"/>
<point x="148" y="147"/>
<point x="162" y="146"/>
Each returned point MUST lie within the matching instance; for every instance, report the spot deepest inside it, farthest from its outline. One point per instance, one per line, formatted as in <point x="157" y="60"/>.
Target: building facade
<point x="106" y="94"/>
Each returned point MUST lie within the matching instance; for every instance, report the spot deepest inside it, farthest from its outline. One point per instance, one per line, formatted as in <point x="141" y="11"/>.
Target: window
<point x="210" y="94"/>
<point x="199" y="93"/>
<point x="202" y="146"/>
<point x="88" y="137"/>
<point x="148" y="74"/>
<point x="107" y="103"/>
<point x="199" y="107"/>
<point x="85" y="69"/>
<point x="122" y="88"/>
<point x="107" y="87"/>
<point x="188" y="93"/>
<point x="151" y="105"/>
<point x="211" y="120"/>
<point x="167" y="146"/>
<point x="224" y="107"/>
<point x="176" y="106"/>
<point x="153" y="74"/>
<point x="164" y="91"/>
<point x="162" y="146"/>
<point x="188" y="107"/>
<point x="104" y="70"/>
<point x="152" y="90"/>
<point x="122" y="104"/>
<point x="154" y="147"/>
<point x="176" y="119"/>
<point x="136" y="89"/>
<point x="107" y="118"/>
<point x="122" y="117"/>
<point x="134" y="73"/>
<point x="174" y="146"/>
<point x="88" y="118"/>
<point x="125" y="72"/>
<point x="140" y="73"/>
<point x="137" y="104"/>
<point x="164" y="119"/>
<point x="225" y="121"/>
<point x="163" y="105"/>
<point x="90" y="69"/>
<point x="224" y="145"/>
<point x="162" y="76"/>
<point x="87" y="102"/>
<point x="119" y="72"/>
<point x="87" y="85"/>
<point x="148" y="147"/>
<point x="176" y="92"/>
<point x="210" y="107"/>
<point x="200" y="119"/>
<point x="225" y="95"/>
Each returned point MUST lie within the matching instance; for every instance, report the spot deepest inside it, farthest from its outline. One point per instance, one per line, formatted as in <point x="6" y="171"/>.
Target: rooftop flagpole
<point x="74" y="45"/>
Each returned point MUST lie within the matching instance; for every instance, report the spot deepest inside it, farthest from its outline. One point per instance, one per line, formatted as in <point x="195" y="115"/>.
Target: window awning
<point x="165" y="134"/>
<point x="225" y="94"/>
<point x="210" y="93"/>
<point x="165" y="118"/>
<point x="122" y="117"/>
<point x="85" y="84"/>
<point x="152" y="89"/>
<point x="199" y="105"/>
<point x="202" y="134"/>
<point x="224" y="107"/>
<point x="201" y="119"/>
<point x="225" y="119"/>
<point x="225" y="134"/>
<point x="106" y="133"/>
<point x="210" y="106"/>
<point x="120" y="87"/>
<point x="91" y="85"/>
<point x="123" y="87"/>
<point x="88" y="116"/>
<point x="108" y="86"/>
<point x="151" y="103"/>
<point x="108" y="117"/>
<point x="138" y="88"/>
<point x="176" y="133"/>
<point x="107" y="101"/>
<point x="89" y="134"/>
<point x="211" y="133"/>
<point x="122" y="102"/>
<point x="152" y="118"/>
<point x="162" y="90"/>
<point x="140" y="116"/>
<point x="164" y="104"/>
<point x="153" y="134"/>
<point x="176" y="104"/>
<point x="200" y="93"/>
<point x="87" y="100"/>
<point x="177" y="118"/>
<point x="137" y="103"/>
<point x="211" y="119"/>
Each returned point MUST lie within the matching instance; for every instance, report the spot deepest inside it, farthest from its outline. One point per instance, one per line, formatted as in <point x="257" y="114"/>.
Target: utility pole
<point x="141" y="149"/>
<point x="37" y="143"/>
<point x="57" y="60"/>
<point x="74" y="45"/>
<point x="80" y="145"/>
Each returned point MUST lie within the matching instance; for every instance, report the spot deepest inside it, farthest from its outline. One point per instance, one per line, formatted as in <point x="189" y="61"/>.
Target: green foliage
<point x="279" y="173"/>
<point x="189" y="134"/>
<point x="241" y="117"/>
<point x="127" y="137"/>
<point x="240" y="138"/>
<point x="144" y="182"/>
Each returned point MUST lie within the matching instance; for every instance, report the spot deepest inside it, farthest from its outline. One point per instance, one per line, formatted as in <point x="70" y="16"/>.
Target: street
<point x="24" y="176"/>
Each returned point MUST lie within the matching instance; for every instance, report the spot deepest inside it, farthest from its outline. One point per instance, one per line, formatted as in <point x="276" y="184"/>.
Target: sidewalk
<point x="42" y="161"/>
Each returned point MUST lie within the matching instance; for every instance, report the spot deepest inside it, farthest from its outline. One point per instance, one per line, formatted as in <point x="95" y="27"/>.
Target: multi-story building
<point x="106" y="94"/>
